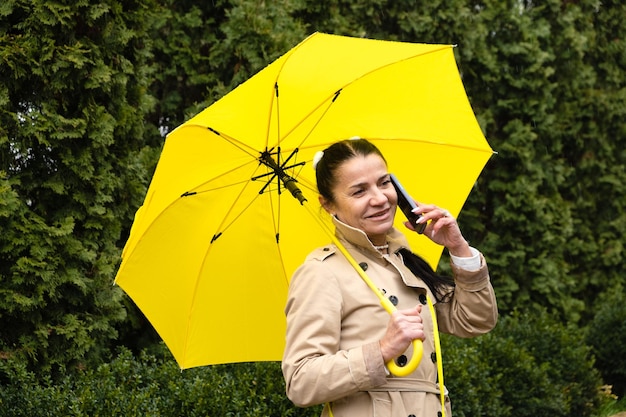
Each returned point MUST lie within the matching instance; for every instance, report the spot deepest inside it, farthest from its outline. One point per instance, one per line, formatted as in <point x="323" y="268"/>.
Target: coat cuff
<point x="367" y="366"/>
<point x="471" y="263"/>
<point x="472" y="280"/>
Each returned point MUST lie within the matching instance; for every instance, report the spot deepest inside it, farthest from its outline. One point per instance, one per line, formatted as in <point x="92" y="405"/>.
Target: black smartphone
<point x="406" y="204"/>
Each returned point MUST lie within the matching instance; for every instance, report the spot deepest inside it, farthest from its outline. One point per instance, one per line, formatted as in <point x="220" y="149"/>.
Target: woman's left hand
<point x="442" y="229"/>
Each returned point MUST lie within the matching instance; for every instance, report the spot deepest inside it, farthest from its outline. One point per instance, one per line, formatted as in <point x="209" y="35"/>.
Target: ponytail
<point x="441" y="286"/>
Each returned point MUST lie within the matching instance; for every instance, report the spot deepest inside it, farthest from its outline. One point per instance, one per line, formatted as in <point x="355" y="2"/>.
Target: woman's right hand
<point x="404" y="326"/>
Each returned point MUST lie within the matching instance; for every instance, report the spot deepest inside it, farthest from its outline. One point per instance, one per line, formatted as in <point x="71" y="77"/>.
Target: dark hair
<point x="335" y="155"/>
<point x="441" y="286"/>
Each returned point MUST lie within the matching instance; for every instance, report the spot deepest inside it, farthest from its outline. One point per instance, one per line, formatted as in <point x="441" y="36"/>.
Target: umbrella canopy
<point x="212" y="249"/>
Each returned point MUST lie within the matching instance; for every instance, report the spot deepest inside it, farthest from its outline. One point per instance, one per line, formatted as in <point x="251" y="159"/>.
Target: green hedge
<point x="528" y="366"/>
<point x="607" y="335"/>
<point x="149" y="386"/>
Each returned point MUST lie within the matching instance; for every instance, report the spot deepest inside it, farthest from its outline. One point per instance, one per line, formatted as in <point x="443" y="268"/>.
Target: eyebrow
<point x="363" y="184"/>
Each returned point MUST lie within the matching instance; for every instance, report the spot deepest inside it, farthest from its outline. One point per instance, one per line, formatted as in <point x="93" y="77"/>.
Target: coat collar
<point x="357" y="237"/>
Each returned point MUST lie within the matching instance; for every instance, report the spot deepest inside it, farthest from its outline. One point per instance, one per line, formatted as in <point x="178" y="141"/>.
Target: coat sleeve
<point x="472" y="310"/>
<point x="315" y="369"/>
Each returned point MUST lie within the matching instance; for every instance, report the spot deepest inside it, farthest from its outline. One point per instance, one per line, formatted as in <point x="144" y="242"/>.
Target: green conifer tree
<point x="72" y="104"/>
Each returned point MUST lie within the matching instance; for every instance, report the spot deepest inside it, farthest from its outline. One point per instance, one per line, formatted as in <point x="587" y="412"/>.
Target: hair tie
<point x="317" y="158"/>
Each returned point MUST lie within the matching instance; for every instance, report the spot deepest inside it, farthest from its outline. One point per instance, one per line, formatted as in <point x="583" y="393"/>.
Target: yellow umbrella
<point x="212" y="249"/>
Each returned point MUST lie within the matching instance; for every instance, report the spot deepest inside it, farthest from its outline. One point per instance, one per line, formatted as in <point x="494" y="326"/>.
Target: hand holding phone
<point x="407" y="204"/>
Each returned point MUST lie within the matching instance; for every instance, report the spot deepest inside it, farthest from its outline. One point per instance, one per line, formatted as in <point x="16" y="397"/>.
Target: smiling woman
<point x="339" y="337"/>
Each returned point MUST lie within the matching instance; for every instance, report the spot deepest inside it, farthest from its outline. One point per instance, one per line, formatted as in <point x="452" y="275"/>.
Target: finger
<point x="418" y="308"/>
<point x="414" y="311"/>
<point x="431" y="212"/>
<point x="445" y="213"/>
<point x="447" y="222"/>
<point x="425" y="207"/>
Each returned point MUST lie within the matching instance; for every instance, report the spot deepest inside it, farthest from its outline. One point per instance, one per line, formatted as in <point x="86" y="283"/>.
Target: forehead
<point x="361" y="169"/>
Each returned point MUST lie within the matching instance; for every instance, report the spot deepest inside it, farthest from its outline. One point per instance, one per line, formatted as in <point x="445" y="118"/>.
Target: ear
<point x="328" y="206"/>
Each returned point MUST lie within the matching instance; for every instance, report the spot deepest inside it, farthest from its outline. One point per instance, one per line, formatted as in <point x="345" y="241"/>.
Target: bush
<point x="151" y="386"/>
<point x="607" y="334"/>
<point x="528" y="366"/>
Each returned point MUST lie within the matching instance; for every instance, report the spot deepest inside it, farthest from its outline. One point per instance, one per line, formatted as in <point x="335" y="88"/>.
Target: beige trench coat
<point x="334" y="323"/>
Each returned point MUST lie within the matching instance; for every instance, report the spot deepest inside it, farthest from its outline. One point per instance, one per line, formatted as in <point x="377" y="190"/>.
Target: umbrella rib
<point x="440" y="143"/>
<point x="242" y="146"/>
<point x="276" y="93"/>
<point x="269" y="119"/>
<point x="225" y="225"/>
<point x="190" y="192"/>
<point x="276" y="224"/>
<point x="213" y="239"/>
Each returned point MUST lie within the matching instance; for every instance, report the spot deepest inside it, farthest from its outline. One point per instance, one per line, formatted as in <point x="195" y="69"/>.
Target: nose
<point x="378" y="197"/>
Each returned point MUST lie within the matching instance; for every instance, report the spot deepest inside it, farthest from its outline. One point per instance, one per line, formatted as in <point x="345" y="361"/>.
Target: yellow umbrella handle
<point x="418" y="348"/>
<point x="411" y="365"/>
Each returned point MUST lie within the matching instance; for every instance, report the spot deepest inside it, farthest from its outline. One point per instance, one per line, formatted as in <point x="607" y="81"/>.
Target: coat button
<point x="439" y="414"/>
<point x="411" y="415"/>
<point x="402" y="360"/>
<point x="326" y="249"/>
<point x="433" y="357"/>
<point x="393" y="299"/>
<point x="422" y="298"/>
<point x="363" y="266"/>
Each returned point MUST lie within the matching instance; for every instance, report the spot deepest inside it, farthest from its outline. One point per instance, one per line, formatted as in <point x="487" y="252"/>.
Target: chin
<point x="381" y="230"/>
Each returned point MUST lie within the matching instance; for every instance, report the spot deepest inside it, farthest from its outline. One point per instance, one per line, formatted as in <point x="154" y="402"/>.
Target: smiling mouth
<point x="379" y="214"/>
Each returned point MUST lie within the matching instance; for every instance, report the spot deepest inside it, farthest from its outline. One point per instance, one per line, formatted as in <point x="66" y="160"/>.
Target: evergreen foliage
<point x="530" y="365"/>
<point x="204" y="50"/>
<point x="551" y="207"/>
<point x="607" y="336"/>
<point x="71" y="131"/>
<point x="151" y="385"/>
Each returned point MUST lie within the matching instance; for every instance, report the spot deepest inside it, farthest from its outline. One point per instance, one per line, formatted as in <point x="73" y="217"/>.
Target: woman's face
<point x="364" y="196"/>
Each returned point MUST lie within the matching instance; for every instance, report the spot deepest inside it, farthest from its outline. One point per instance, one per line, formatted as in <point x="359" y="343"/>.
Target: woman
<point x="339" y="337"/>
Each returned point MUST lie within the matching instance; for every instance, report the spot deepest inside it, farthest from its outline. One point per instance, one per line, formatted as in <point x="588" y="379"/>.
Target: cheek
<point x="341" y="208"/>
<point x="349" y="212"/>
